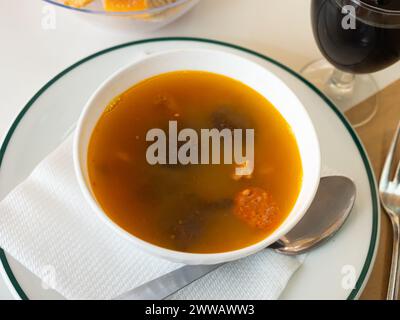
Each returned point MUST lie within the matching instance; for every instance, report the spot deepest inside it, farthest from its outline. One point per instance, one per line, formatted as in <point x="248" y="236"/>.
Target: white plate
<point x="52" y="113"/>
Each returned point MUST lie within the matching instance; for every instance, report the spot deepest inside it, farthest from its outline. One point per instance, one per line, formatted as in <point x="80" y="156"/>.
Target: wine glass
<point x="357" y="37"/>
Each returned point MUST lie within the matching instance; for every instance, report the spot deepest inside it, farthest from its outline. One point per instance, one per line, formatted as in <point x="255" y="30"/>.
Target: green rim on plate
<point x="371" y="251"/>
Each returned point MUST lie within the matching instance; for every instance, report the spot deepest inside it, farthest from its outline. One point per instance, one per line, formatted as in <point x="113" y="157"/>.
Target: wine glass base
<point x="345" y="96"/>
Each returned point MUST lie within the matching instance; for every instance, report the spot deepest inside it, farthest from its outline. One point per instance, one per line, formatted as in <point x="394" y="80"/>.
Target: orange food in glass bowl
<point x="125" y="5"/>
<point x="144" y="15"/>
<point x="77" y="3"/>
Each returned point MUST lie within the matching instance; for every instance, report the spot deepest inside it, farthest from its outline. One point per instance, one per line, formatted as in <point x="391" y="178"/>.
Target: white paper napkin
<point x="46" y="224"/>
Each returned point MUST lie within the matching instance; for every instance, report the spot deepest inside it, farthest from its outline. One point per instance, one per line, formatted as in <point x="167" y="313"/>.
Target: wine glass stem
<point x="342" y="81"/>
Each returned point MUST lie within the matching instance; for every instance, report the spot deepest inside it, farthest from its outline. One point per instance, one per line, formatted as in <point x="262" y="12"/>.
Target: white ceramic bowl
<point x="247" y="72"/>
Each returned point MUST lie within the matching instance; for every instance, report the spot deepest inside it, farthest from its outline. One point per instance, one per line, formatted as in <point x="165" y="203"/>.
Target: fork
<point x="389" y="190"/>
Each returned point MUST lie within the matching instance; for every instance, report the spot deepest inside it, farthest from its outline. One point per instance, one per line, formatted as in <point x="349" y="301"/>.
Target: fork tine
<point x="385" y="177"/>
<point x="397" y="174"/>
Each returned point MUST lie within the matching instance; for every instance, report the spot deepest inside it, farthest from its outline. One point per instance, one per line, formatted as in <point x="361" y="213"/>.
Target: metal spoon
<point x="331" y="207"/>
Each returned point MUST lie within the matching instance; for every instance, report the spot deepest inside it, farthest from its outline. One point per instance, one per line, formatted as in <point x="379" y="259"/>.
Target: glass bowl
<point x="161" y="14"/>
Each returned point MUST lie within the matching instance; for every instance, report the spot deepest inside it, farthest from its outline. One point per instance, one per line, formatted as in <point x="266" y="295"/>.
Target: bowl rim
<point x="118" y="13"/>
<point x="169" y="254"/>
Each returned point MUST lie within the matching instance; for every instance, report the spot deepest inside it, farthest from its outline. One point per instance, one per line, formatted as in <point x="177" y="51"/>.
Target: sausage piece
<point x="256" y="207"/>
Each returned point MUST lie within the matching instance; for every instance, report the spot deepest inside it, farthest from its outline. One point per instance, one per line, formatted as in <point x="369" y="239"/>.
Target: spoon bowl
<point x="333" y="203"/>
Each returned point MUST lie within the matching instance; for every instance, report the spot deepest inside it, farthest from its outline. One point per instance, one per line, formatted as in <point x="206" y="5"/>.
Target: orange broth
<point x="192" y="208"/>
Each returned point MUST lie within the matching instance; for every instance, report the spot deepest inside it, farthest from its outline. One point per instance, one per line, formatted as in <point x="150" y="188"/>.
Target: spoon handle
<point x="162" y="287"/>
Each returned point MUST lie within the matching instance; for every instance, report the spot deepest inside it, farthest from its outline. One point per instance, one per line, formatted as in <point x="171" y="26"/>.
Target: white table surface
<point x="30" y="56"/>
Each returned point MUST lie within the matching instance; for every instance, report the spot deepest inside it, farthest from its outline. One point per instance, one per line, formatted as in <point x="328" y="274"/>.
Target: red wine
<point x="370" y="47"/>
<point x="384" y="4"/>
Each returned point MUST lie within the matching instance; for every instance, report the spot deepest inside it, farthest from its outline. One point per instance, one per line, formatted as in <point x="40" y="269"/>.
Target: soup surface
<point x="204" y="208"/>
